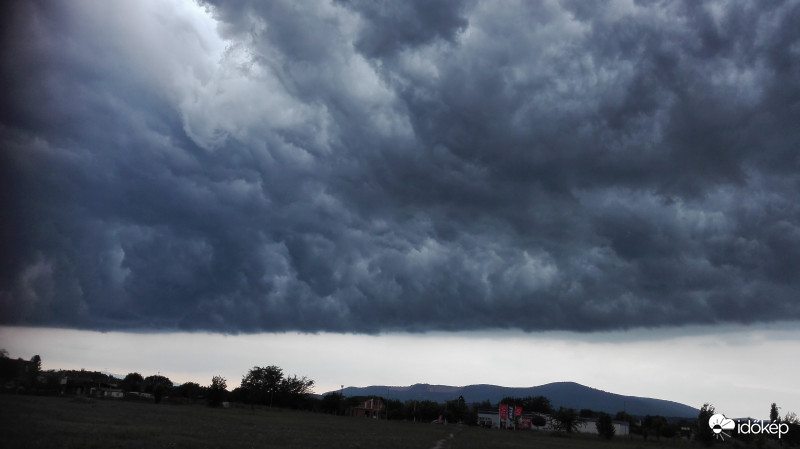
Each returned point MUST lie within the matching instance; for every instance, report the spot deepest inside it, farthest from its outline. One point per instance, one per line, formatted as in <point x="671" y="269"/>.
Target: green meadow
<point x="60" y="422"/>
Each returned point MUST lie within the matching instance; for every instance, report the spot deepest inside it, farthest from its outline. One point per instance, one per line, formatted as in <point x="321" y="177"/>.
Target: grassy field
<point x="48" y="422"/>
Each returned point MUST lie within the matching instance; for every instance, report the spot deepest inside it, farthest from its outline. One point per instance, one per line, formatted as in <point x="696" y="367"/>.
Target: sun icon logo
<point x="718" y="423"/>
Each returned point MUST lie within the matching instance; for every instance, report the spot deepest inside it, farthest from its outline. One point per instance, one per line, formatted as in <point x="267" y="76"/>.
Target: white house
<point x="589" y="425"/>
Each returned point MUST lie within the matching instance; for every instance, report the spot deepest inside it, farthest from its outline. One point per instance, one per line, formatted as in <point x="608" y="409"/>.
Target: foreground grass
<point x="47" y="422"/>
<point x="475" y="438"/>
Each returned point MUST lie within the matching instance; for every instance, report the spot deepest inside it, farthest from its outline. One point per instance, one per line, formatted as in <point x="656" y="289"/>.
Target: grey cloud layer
<point x="381" y="166"/>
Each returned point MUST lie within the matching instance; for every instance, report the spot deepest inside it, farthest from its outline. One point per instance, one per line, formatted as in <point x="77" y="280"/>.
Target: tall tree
<point x="703" y="433"/>
<point x="297" y="385"/>
<point x="792" y="437"/>
<point x="605" y="426"/>
<point x="8" y="367"/>
<point x="158" y="386"/>
<point x="267" y="385"/>
<point x="36" y="363"/>
<point x="261" y="384"/>
<point x="294" y="389"/>
<point x="566" y="419"/>
<point x="774" y="416"/>
<point x="33" y="370"/>
<point x="189" y="390"/>
<point x="539" y="404"/>
<point x="216" y="391"/>
<point x="132" y="382"/>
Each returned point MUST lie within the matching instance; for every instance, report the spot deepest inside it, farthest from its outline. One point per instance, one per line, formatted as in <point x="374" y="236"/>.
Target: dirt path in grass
<point x="440" y="443"/>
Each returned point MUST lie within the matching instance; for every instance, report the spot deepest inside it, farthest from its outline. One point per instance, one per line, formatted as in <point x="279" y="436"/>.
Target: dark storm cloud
<point x="391" y="26"/>
<point x="368" y="166"/>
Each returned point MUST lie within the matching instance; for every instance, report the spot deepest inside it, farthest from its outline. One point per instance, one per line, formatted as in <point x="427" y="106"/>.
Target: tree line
<point x="267" y="386"/>
<point x="19" y="373"/>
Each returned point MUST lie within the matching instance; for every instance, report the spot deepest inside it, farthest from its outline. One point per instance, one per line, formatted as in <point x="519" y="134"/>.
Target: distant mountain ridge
<point x="561" y="394"/>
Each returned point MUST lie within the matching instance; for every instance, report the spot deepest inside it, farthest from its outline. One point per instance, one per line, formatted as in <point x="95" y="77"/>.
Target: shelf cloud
<point x="369" y="167"/>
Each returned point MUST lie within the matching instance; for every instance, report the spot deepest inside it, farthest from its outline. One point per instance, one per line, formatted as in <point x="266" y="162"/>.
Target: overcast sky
<point x="405" y="168"/>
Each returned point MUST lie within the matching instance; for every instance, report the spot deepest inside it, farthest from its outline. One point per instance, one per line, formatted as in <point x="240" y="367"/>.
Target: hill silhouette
<point x="561" y="394"/>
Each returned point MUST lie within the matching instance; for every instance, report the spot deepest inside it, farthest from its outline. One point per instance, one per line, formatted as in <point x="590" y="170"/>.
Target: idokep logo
<point x="719" y="424"/>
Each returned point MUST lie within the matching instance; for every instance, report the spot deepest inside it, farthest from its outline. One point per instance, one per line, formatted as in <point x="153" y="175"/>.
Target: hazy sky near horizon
<point x="739" y="369"/>
<point x="413" y="170"/>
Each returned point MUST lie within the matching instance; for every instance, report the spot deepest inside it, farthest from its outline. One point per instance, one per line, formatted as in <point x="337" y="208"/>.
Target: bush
<point x="538" y="421"/>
